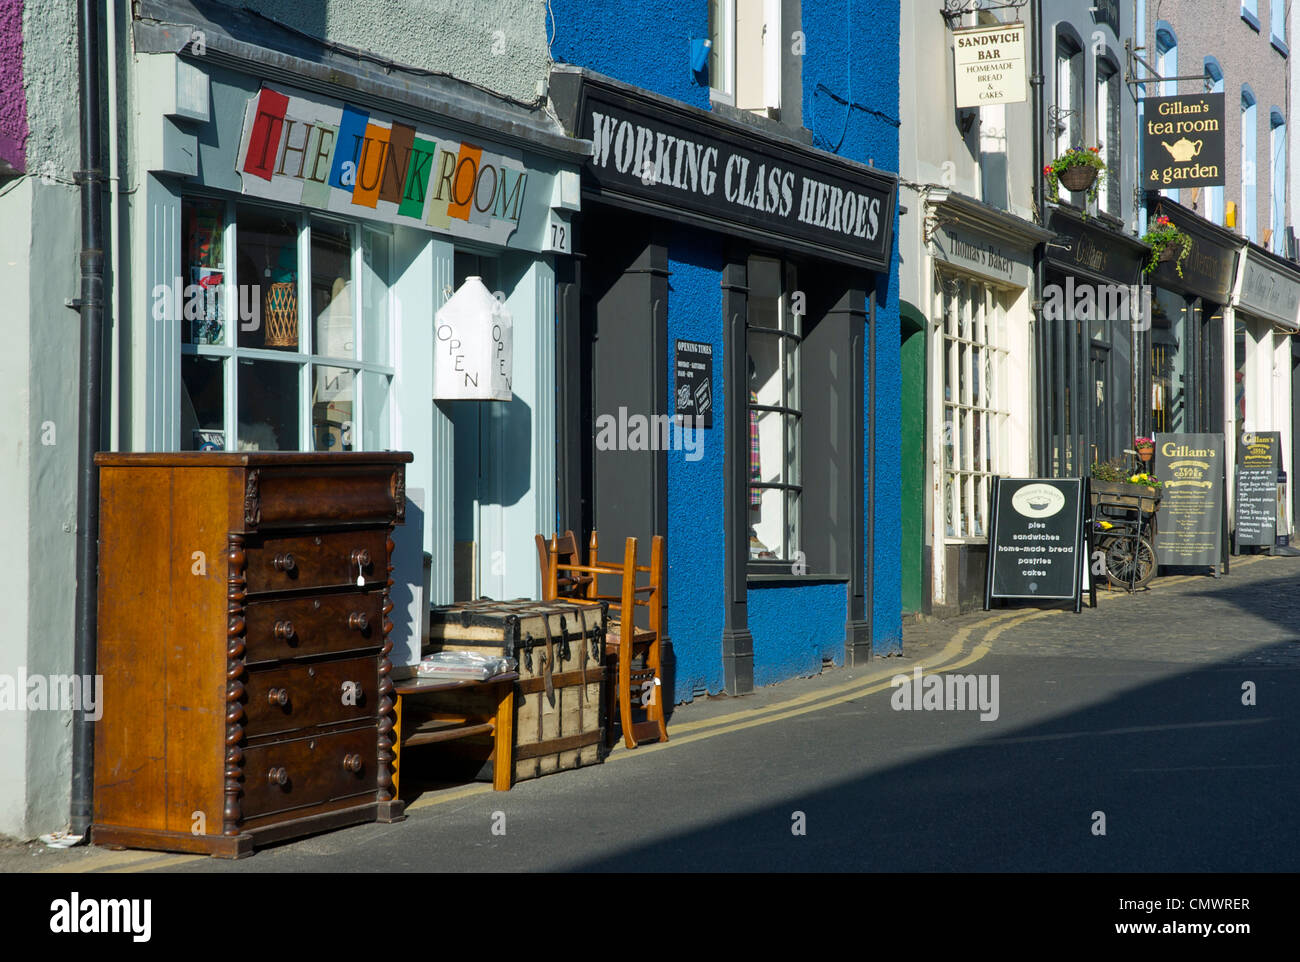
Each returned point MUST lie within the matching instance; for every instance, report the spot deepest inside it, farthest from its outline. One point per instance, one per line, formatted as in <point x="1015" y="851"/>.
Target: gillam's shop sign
<point x="1182" y="141"/>
<point x="349" y="160"/>
<point x="693" y="169"/>
<point x="989" y="65"/>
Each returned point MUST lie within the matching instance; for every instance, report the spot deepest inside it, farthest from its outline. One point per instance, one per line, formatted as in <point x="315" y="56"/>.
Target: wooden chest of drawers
<point x="243" y="622"/>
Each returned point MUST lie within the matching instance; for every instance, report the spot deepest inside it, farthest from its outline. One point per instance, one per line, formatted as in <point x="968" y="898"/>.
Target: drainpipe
<point x="1040" y="252"/>
<point x="91" y="305"/>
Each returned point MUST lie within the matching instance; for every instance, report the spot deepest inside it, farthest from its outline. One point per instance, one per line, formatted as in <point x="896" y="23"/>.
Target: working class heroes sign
<point x="679" y="166"/>
<point x="349" y="160"/>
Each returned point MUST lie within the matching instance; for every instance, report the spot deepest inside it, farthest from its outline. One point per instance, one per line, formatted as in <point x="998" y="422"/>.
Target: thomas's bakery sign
<point x="351" y="160"/>
<point x="684" y="164"/>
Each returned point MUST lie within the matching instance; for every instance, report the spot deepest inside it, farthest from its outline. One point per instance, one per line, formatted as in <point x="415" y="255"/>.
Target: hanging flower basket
<point x="1079" y="178"/>
<point x="1167" y="243"/>
<point x="1079" y="169"/>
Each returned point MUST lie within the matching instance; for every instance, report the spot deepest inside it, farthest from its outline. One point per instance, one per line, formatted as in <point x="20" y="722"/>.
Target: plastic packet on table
<point x="464" y="665"/>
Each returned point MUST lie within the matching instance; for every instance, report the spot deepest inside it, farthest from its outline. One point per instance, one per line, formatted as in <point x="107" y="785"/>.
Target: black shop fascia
<point x="1185" y="342"/>
<point x="771" y="217"/>
<point x="1083" y="348"/>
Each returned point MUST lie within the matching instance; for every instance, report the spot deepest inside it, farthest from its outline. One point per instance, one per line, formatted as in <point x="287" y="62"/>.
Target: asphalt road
<point x="1128" y="719"/>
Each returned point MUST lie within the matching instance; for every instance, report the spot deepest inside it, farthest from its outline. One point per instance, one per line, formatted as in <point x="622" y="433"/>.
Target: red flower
<point x="1095" y="150"/>
<point x="1047" y="168"/>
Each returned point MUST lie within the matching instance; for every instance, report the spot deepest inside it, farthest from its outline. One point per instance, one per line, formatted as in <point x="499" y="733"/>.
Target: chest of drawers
<point x="242" y="640"/>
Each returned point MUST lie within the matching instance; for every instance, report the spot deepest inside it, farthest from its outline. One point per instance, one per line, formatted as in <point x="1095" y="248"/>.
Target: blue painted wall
<point x="695" y="488"/>
<point x="646" y="43"/>
<point x="850" y="103"/>
<point x="794" y="628"/>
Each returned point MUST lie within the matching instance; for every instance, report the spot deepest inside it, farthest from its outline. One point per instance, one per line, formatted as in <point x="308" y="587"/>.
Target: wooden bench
<point x="421" y="722"/>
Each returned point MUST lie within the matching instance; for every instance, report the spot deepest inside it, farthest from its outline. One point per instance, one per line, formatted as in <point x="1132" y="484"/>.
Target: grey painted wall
<point x="501" y="45"/>
<point x="38" y="441"/>
<point x="1097" y="37"/>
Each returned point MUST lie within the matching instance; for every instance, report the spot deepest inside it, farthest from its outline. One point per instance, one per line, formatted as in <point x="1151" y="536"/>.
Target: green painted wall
<point x="912" y="456"/>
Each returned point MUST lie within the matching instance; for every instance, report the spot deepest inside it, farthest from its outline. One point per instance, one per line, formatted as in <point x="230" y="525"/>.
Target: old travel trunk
<point x="559" y="698"/>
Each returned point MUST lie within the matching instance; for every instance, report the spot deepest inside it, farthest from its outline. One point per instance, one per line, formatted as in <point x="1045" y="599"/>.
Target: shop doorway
<point x="624" y="330"/>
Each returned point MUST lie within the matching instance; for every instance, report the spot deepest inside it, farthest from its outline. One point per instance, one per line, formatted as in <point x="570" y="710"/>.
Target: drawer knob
<point x="360" y="557"/>
<point x="283" y="562"/>
<point x="357" y="620"/>
<point x="278" y="776"/>
<point x="284" y="630"/>
<point x="278" y="696"/>
<point x="352" y="763"/>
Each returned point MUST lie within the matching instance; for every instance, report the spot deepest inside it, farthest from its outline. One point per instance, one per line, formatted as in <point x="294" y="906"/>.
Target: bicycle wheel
<point x="1121" y="559"/>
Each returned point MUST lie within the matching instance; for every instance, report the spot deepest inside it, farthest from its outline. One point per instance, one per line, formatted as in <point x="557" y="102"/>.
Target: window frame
<point x="1111" y="141"/>
<point x="984" y="330"/>
<point x="305" y="358"/>
<point x="1277" y="186"/>
<point x="1248" y="223"/>
<point x="725" y="41"/>
<point x="789" y="335"/>
<point x="1070" y="80"/>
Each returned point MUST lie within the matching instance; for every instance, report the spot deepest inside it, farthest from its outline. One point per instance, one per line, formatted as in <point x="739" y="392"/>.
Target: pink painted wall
<point x="13" y="98"/>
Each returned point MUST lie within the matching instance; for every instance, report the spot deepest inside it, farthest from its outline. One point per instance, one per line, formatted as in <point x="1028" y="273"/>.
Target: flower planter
<point x="1146" y="454"/>
<point x="1077" y="178"/>
<point x="1126" y="494"/>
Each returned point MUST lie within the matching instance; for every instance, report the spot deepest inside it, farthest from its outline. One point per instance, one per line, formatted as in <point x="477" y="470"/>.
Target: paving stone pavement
<point x="1251" y="616"/>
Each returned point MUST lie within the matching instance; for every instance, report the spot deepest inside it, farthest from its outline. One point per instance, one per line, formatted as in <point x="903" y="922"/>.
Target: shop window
<point x="774" y="330"/>
<point x="976" y="416"/>
<point x="745" y="53"/>
<point x="270" y="309"/>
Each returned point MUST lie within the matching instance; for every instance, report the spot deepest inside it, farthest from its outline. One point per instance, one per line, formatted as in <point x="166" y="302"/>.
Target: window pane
<point x="331" y="410"/>
<point x="267" y="272"/>
<point x="203" y="407"/>
<point x="374" y="297"/>
<point x="268" y="406"/>
<point x="331" y="290"/>
<point x="377" y="390"/>
<point x="203" y="225"/>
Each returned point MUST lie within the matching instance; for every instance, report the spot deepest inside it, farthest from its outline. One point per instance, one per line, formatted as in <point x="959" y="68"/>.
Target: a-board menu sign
<point x="1256" y="502"/>
<point x="1036" y="543"/>
<point x="1190" y="519"/>
<point x="693" y="383"/>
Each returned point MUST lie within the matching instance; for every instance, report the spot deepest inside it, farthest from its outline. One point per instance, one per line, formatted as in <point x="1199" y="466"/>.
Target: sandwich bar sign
<point x="989" y="65"/>
<point x="685" y="164"/>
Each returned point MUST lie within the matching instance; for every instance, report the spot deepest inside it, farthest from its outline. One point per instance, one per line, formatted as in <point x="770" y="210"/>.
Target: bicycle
<point x="1123" y="521"/>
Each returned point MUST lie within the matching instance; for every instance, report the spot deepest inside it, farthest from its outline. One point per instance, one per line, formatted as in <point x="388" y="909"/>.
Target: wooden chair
<point x="624" y="642"/>
<point x="565" y="550"/>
